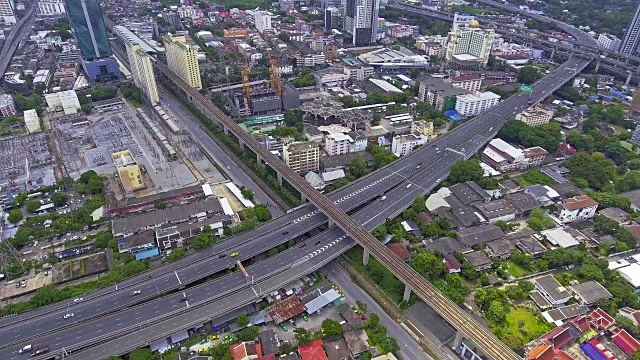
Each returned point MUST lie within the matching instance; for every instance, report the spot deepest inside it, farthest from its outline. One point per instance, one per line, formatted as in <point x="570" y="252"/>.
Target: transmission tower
<point x="10" y="260"/>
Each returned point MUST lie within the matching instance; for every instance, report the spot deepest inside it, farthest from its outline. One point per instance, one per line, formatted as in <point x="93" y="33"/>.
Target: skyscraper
<point x="331" y="18"/>
<point x="469" y="46"/>
<point x="90" y="32"/>
<point x="182" y="59"/>
<point x="7" y="11"/>
<point x="632" y="37"/>
<point x="361" y="21"/>
<point x="139" y="55"/>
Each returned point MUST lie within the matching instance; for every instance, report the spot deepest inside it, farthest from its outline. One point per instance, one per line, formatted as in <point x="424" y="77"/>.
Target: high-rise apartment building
<point x="361" y="21"/>
<point x="51" y="7"/>
<point x="90" y="32"/>
<point x="262" y="20"/>
<point x="7" y="11"/>
<point x="470" y="46"/>
<point x="7" y="107"/>
<point x="302" y="157"/>
<point x="632" y="37"/>
<point x="609" y="41"/>
<point x="331" y="18"/>
<point x="182" y="58"/>
<point x="138" y="53"/>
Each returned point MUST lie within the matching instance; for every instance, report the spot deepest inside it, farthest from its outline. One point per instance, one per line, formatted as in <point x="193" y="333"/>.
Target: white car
<point x="69" y="315"/>
<point x="383" y="198"/>
<point x="77" y="300"/>
<point x="135" y="292"/>
<point x="25" y="349"/>
<point x="408" y="186"/>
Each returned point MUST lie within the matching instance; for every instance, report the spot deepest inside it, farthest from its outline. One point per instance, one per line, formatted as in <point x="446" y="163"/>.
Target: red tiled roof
<point x="244" y="350"/>
<point x="567" y="149"/>
<point x="312" y="351"/>
<point x="626" y="341"/>
<point x="579" y="202"/>
<point x="581" y="323"/>
<point x="600" y="320"/>
<point x="400" y="250"/>
<point x="602" y="349"/>
<point x="542" y="352"/>
<point x="634" y="230"/>
<point x="559" y="337"/>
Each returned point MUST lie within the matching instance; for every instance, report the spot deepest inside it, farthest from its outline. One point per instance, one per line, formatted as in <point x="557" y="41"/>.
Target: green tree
<point x="529" y="75"/>
<point x="141" y="354"/>
<point x="242" y="320"/>
<point x="594" y="168"/>
<point x="429" y="265"/>
<point x="496" y="314"/>
<point x="331" y="328"/>
<point x="466" y="170"/>
<point x="539" y="220"/>
<point x="175" y="255"/>
<point x="468" y="271"/>
<point x="160" y="205"/>
<point x="59" y="198"/>
<point x="202" y="241"/>
<point x="32" y="205"/>
<point x="292" y="117"/>
<point x="15" y="216"/>
<point x="287" y="348"/>
<point x="358" y="167"/>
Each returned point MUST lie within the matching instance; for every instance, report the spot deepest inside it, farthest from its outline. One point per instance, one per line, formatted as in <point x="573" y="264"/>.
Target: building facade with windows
<point x="361" y="21"/>
<point x="535" y="117"/>
<point x="7" y="12"/>
<point x="469" y="47"/>
<point x="474" y="104"/>
<point x="302" y="157"/>
<point x="182" y="59"/>
<point x="51" y="7"/>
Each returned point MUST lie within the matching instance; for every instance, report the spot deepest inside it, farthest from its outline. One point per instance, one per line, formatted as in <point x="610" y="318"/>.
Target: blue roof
<point x="452" y="112"/>
<point x="618" y="93"/>
<point x="592" y="352"/>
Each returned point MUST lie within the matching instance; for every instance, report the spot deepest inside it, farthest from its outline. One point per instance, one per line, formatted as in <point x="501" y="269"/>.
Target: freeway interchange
<point x="97" y="322"/>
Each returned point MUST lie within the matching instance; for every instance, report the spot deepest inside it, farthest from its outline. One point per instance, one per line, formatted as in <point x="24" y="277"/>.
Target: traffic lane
<point x="219" y="156"/>
<point x="409" y="348"/>
<point x="213" y="310"/>
<point x="226" y="288"/>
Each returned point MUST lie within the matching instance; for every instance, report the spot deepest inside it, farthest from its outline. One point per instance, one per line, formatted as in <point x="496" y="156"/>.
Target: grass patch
<point x="629" y="146"/>
<point x="378" y="274"/>
<point x="515" y="270"/>
<point x="526" y="324"/>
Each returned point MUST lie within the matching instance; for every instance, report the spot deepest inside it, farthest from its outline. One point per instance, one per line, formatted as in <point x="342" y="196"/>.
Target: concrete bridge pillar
<point x="226" y="131"/>
<point x="458" y="339"/>
<point x="407" y="293"/>
<point x="279" y="179"/>
<point x="365" y="257"/>
<point x="597" y="65"/>
<point x="553" y="53"/>
<point x="303" y="198"/>
<point x="331" y="222"/>
<point x="241" y="145"/>
<point x="626" y="83"/>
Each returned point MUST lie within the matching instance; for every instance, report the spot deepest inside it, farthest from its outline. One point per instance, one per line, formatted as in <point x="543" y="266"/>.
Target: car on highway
<point x="135" y="292"/>
<point x="25" y="349"/>
<point x="302" y="245"/>
<point x="41" y="351"/>
<point x="69" y="315"/>
<point x="383" y="198"/>
<point x="285" y="232"/>
<point x="408" y="186"/>
<point x="77" y="300"/>
<point x="317" y="242"/>
<point x="183" y="299"/>
<point x="234" y="254"/>
<point x="222" y="255"/>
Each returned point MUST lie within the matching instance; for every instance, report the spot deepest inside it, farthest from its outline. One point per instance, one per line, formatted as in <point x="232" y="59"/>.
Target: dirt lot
<point x="79" y="267"/>
<point x="34" y="281"/>
<point x="220" y="190"/>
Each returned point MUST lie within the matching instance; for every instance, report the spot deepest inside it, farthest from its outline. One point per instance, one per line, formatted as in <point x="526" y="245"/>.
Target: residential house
<point x="616" y="214"/>
<point x="631" y="314"/>
<point x="480" y="234"/>
<point x="410" y="226"/>
<point x="501" y="248"/>
<point x="504" y="157"/>
<point x="469" y="193"/>
<point x="400" y="250"/>
<point x="544" y="195"/>
<point x="337" y="350"/>
<point x="479" y="260"/>
<point x="634" y="197"/>
<point x="312" y="351"/>
<point x="452" y="263"/>
<point x="508" y="187"/>
<point x="357" y="342"/>
<point x="247" y="350"/>
<point x="444" y="245"/>
<point x="497" y="210"/>
<point x="523" y="203"/>
<point x="561" y="237"/>
<point x="589" y="293"/>
<point x="579" y="207"/>
<point x="552" y="290"/>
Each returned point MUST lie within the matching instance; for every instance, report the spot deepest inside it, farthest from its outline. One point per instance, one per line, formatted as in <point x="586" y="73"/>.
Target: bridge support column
<point x="553" y="53"/>
<point x="365" y="257"/>
<point x="597" y="65"/>
<point x="226" y="131"/>
<point x="407" y="293"/>
<point x="259" y="160"/>
<point x="303" y="198"/>
<point x="458" y="339"/>
<point x="626" y="83"/>
<point x="331" y="222"/>
<point x="241" y="145"/>
<point x="279" y="179"/>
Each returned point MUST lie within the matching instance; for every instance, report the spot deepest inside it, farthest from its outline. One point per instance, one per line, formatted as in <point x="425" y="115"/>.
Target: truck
<point x="40" y="351"/>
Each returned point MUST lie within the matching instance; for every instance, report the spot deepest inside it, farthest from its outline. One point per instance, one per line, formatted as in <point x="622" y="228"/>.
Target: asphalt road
<point x="472" y="136"/>
<point x="18" y="32"/>
<point x="409" y="348"/>
<point x="217" y="154"/>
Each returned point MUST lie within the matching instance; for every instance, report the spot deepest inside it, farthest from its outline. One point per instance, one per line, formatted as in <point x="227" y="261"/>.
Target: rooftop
<point x="579" y="202"/>
<point x="560" y="237"/>
<point x="480" y="234"/>
<point x="590" y="292"/>
<point x="477" y="258"/>
<point x="552" y="287"/>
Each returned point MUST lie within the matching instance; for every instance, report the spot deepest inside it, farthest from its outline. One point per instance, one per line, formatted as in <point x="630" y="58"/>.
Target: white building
<point x="66" y="101"/>
<point x="470" y="46"/>
<point x="461" y="20"/>
<point x="51" y="7"/>
<point x="474" y="104"/>
<point x="32" y="121"/>
<point x="359" y="73"/>
<point x="7" y="11"/>
<point x="535" y="117"/>
<point x="580" y="207"/>
<point x="403" y="144"/>
<point x="337" y="144"/>
<point x="609" y="41"/>
<point x="361" y="21"/>
<point x="7" y="107"/>
<point x="262" y="20"/>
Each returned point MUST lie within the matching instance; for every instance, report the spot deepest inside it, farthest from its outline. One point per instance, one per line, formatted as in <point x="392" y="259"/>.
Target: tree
<point x="202" y="241"/>
<point x="284" y="36"/>
<point x="242" y="320"/>
<point x="247" y="193"/>
<point x="141" y="354"/>
<point x="176" y="254"/>
<point x="468" y="271"/>
<point x="59" y="198"/>
<point x="496" y="313"/>
<point x="15" y="216"/>
<point x="529" y="75"/>
<point x="429" y="265"/>
<point x="539" y="220"/>
<point x="331" y="328"/>
<point x="292" y="117"/>
<point x="595" y="168"/>
<point x="358" y="167"/>
<point x="160" y="205"/>
<point x="287" y="348"/>
<point x="32" y="205"/>
<point x="262" y="213"/>
<point x="466" y="170"/>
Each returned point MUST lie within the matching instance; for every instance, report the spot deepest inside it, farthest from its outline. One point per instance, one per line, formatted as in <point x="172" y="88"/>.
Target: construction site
<point x="259" y="99"/>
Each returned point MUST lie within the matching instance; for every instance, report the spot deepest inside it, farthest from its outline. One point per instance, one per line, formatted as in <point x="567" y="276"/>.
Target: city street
<point x="218" y="155"/>
<point x="409" y="348"/>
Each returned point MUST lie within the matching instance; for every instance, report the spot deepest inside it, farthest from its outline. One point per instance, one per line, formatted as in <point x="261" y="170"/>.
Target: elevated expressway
<point x="466" y="140"/>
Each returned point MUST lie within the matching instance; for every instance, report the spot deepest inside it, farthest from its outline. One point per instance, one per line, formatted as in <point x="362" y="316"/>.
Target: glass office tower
<point x="88" y="28"/>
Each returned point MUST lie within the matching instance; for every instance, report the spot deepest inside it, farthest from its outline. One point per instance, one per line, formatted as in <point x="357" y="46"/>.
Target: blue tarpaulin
<point x="147" y="254"/>
<point x="453" y="115"/>
<point x="592" y="352"/>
